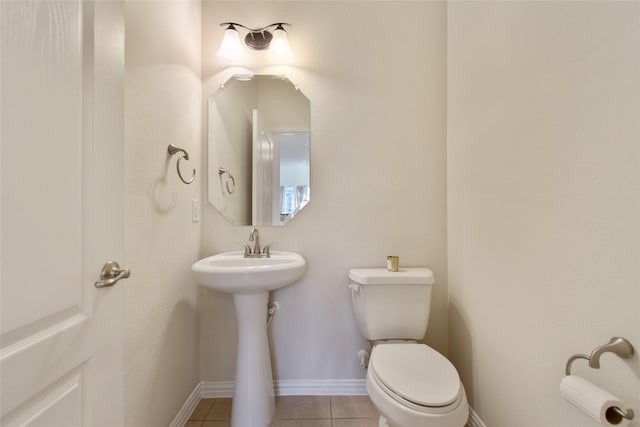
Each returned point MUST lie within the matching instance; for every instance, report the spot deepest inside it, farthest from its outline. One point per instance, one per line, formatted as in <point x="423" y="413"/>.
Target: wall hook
<point x="172" y="149"/>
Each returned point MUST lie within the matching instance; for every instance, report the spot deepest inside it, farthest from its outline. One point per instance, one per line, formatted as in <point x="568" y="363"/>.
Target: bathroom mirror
<point x="259" y="150"/>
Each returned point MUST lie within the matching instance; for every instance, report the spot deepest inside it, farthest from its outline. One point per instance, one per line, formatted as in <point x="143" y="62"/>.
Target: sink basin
<point x="250" y="280"/>
<point x="231" y="273"/>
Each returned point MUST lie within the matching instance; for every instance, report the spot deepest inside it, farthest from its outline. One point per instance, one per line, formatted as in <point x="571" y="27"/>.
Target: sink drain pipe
<point x="273" y="307"/>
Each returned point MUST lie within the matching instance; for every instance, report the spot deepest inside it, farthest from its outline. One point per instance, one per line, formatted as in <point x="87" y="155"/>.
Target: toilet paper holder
<point x="619" y="346"/>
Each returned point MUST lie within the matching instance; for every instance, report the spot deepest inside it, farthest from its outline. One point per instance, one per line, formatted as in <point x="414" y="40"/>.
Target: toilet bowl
<point x="410" y="384"/>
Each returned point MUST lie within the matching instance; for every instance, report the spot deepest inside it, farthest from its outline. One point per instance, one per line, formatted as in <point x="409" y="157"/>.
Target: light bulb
<point x="231" y="46"/>
<point x="279" y="49"/>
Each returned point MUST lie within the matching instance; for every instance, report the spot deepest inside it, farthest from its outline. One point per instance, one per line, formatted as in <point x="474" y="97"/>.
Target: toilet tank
<point x="391" y="305"/>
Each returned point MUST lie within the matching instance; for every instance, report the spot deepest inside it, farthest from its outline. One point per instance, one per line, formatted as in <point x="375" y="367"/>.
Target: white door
<point x="262" y="173"/>
<point x="62" y="65"/>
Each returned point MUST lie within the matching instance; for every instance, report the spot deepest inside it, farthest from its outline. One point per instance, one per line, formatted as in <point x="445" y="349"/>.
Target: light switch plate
<point x="196" y="209"/>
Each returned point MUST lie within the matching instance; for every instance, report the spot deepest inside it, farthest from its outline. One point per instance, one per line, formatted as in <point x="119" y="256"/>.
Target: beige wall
<point x="540" y="102"/>
<point x="162" y="106"/>
<point x="377" y="179"/>
<point x="543" y="202"/>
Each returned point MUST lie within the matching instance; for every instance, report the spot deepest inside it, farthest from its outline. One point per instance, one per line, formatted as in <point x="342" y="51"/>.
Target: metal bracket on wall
<point x="621" y="347"/>
<point x="172" y="149"/>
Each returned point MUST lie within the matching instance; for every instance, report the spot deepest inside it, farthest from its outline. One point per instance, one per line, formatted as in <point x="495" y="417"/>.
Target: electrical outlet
<point x="196" y="210"/>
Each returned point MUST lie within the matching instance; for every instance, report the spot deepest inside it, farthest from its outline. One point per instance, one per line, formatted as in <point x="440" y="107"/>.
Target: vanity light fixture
<point x="275" y="41"/>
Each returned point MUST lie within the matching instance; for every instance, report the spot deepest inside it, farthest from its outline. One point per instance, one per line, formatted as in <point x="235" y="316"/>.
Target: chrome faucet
<point x="256" y="252"/>
<point x="255" y="236"/>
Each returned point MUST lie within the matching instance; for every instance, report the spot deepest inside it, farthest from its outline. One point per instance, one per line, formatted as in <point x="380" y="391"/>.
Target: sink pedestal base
<point x="253" y="396"/>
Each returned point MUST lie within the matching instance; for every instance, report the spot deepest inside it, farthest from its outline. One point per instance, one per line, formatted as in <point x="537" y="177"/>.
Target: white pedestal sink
<point x="250" y="280"/>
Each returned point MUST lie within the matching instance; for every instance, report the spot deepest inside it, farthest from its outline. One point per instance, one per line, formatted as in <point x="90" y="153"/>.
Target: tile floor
<point x="295" y="411"/>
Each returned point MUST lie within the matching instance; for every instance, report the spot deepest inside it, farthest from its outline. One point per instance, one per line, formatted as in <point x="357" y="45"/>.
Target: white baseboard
<point x="474" y="419"/>
<point x="320" y="387"/>
<point x="187" y="408"/>
<point x="293" y="388"/>
<point x="210" y="389"/>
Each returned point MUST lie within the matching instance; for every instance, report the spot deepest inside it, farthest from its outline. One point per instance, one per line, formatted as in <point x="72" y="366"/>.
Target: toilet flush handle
<point x="354" y="287"/>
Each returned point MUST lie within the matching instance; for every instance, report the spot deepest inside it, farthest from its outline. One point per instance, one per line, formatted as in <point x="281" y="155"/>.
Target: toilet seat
<point x="416" y="376"/>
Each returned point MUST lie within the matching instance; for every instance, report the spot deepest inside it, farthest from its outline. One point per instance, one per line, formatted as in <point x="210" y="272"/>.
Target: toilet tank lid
<point x="404" y="276"/>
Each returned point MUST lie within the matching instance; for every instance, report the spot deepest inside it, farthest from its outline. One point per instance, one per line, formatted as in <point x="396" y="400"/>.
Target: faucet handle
<point x="266" y="249"/>
<point x="247" y="248"/>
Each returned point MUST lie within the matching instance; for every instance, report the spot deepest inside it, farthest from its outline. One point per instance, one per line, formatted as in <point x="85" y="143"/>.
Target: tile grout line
<point x="331" y="410"/>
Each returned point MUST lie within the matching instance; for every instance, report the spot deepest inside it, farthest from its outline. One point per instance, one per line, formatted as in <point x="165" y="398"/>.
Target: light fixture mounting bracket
<point x="258" y="40"/>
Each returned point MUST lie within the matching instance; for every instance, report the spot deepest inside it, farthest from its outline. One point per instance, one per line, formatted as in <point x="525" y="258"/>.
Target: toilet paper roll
<point x="593" y="400"/>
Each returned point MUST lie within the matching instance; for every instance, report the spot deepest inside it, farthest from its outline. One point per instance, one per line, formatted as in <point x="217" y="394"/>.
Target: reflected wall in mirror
<point x="259" y="150"/>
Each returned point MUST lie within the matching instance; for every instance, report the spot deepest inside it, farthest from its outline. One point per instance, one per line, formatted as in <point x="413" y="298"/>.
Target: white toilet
<point x="410" y="384"/>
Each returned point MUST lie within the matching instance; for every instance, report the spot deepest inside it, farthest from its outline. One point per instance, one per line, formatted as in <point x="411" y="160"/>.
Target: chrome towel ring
<point x="172" y="149"/>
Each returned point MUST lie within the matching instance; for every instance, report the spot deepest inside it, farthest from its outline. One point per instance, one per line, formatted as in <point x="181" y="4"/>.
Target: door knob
<point x="110" y="274"/>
